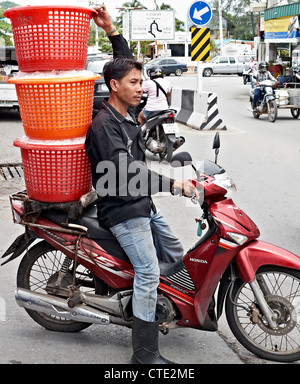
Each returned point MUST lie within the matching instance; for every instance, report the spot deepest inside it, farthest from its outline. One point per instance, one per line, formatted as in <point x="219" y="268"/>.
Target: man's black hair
<point x="118" y="68"/>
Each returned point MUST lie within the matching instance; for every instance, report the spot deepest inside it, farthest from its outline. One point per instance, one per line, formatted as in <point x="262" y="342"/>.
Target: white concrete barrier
<point x="199" y="110"/>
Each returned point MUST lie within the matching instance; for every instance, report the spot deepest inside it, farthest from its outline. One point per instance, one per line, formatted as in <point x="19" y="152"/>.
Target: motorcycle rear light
<point x="170" y="118"/>
<point x="17" y="218"/>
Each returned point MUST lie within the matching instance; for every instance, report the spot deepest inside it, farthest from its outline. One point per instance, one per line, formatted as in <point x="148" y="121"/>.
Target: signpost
<point x="200" y="14"/>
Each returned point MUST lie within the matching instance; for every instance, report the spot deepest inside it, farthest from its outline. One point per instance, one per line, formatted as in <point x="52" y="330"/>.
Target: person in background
<point x="261" y="75"/>
<point x="253" y="67"/>
<point x="158" y="90"/>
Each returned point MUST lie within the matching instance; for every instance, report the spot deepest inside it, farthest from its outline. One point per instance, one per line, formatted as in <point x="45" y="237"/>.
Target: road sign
<point x="200" y="13"/>
<point x="200" y="47"/>
<point x="152" y="25"/>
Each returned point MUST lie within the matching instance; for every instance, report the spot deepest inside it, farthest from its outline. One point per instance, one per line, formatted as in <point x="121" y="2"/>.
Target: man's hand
<point x="103" y="20"/>
<point x="187" y="188"/>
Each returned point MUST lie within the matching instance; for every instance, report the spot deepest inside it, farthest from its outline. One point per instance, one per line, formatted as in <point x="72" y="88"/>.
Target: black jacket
<point x="120" y="175"/>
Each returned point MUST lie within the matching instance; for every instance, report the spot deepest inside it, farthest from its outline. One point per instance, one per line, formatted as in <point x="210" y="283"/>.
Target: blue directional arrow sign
<point x="200" y="13"/>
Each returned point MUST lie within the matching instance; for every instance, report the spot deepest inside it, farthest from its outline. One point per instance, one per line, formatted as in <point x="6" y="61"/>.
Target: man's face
<point x="263" y="69"/>
<point x="129" y="90"/>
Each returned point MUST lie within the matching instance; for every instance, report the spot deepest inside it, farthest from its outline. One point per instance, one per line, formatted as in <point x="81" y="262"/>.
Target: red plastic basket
<point x="58" y="108"/>
<point x="50" y="37"/>
<point x="58" y="172"/>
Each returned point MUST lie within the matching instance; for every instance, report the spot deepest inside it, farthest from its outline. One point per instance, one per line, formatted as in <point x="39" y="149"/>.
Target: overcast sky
<point x="181" y="6"/>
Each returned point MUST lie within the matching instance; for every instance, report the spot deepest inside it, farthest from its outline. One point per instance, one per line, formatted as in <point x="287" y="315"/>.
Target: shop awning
<point x="282" y="11"/>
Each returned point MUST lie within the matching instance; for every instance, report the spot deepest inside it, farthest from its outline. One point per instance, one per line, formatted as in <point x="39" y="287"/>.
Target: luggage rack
<point x="34" y="208"/>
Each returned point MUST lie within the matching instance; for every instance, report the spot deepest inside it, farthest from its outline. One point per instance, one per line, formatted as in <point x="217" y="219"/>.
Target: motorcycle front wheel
<point x="281" y="288"/>
<point x="38" y="268"/>
<point x="272" y="110"/>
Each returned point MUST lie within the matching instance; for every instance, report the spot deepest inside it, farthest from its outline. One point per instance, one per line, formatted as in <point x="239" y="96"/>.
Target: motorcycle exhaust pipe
<point x="56" y="306"/>
<point x="178" y="142"/>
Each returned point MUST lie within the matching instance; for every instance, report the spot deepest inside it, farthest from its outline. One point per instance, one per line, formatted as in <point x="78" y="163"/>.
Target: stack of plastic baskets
<point x="56" y="112"/>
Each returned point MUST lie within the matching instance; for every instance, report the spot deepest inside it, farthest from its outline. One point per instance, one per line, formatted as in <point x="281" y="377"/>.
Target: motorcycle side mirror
<point x="181" y="159"/>
<point x="216" y="145"/>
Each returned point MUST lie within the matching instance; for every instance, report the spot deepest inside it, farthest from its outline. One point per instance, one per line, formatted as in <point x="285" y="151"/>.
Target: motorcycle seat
<point x="104" y="237"/>
<point x="101" y="235"/>
<point x="96" y="232"/>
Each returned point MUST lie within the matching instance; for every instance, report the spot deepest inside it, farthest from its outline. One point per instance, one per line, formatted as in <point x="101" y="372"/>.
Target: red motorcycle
<point x="77" y="274"/>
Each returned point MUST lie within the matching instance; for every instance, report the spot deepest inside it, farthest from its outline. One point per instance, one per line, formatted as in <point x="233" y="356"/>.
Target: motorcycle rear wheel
<point x="272" y="110"/>
<point x="281" y="287"/>
<point x="168" y="151"/>
<point x="295" y="112"/>
<point x="38" y="267"/>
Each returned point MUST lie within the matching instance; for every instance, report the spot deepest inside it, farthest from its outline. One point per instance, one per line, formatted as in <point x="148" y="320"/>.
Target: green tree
<point x="179" y="25"/>
<point x="127" y="6"/>
<point x="8" y="4"/>
<point x="241" y="22"/>
<point x="5" y="31"/>
<point x="5" y="28"/>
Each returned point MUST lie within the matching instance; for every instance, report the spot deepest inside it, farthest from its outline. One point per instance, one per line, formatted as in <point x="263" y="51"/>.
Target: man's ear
<point x="114" y="84"/>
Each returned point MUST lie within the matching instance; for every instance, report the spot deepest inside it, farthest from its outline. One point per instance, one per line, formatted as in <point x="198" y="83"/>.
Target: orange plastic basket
<point x="58" y="172"/>
<point x="55" y="108"/>
<point x="50" y="37"/>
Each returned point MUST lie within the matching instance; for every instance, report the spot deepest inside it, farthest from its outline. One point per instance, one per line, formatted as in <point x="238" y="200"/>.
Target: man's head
<point x="123" y="77"/>
<point x="155" y="72"/>
<point x="263" y="66"/>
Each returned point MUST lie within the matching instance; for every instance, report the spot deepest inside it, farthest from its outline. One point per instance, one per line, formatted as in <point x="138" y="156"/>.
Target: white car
<point x="8" y="93"/>
<point x="224" y="65"/>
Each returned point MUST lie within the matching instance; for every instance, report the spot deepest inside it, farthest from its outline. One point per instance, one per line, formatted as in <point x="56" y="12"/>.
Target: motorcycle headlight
<point x="223" y="180"/>
<point x="238" y="238"/>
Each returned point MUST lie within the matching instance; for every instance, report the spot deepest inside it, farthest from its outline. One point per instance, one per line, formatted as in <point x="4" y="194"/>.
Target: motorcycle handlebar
<point x="178" y="192"/>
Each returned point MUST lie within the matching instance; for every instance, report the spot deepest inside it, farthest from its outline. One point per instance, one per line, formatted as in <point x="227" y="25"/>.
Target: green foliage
<point x="241" y="23"/>
<point x="8" y="4"/>
<point x="5" y="28"/>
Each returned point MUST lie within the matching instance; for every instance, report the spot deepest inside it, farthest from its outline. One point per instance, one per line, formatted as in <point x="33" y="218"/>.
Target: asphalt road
<point x="262" y="158"/>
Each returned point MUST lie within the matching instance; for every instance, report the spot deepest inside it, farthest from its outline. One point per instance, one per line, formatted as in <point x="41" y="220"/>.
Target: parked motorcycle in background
<point x="266" y="103"/>
<point x="246" y="74"/>
<point x="160" y="133"/>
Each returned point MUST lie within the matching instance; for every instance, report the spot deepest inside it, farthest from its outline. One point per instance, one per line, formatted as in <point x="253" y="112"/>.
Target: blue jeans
<point x="144" y="250"/>
<point x="257" y="93"/>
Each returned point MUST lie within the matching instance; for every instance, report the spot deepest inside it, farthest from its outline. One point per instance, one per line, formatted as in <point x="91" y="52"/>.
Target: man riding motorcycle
<point x="262" y="74"/>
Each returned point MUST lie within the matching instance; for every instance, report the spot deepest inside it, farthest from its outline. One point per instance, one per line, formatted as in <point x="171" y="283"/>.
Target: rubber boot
<point x="145" y="343"/>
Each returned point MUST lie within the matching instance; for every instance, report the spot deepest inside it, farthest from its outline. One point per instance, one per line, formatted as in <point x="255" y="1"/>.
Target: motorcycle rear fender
<point x="20" y="244"/>
<point x="259" y="253"/>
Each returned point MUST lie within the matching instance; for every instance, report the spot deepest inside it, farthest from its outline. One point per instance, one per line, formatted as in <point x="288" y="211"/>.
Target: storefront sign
<point x="282" y="28"/>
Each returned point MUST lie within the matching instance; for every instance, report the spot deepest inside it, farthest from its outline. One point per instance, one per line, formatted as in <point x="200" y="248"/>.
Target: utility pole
<point x="221" y="27"/>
